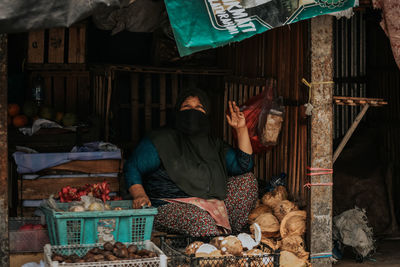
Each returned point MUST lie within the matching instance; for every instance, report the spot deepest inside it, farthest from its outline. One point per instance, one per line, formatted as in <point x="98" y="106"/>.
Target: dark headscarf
<point x="195" y="162"/>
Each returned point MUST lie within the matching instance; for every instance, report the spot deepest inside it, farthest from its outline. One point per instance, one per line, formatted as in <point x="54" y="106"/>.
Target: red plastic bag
<point x="256" y="111"/>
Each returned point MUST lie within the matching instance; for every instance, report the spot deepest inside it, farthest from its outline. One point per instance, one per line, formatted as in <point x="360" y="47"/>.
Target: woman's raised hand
<point x="236" y="118"/>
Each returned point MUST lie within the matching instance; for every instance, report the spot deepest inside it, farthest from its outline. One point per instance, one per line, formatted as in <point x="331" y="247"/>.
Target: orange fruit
<point x="9" y="120"/>
<point x="13" y="109"/>
<point x="20" y="121"/>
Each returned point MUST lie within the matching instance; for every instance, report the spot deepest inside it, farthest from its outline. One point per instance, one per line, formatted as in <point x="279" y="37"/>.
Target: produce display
<point x="282" y="226"/>
<point x="110" y="252"/>
<point x="30" y="111"/>
<point x="100" y="190"/>
<point x="221" y="246"/>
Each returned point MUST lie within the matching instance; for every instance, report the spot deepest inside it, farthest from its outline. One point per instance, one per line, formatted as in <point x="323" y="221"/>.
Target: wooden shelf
<point x="359" y="101"/>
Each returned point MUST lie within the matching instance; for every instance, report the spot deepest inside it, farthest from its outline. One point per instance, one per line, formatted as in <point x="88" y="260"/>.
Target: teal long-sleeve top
<point x="144" y="167"/>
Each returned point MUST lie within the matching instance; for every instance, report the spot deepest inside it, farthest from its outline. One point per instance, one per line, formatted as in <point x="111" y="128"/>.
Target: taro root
<point x="144" y="252"/>
<point x="132" y="249"/>
<point x="192" y="247"/>
<point x="108" y="246"/>
<point x="119" y="245"/>
<point x="88" y="255"/>
<point x="111" y="258"/>
<point x="57" y="257"/>
<point x="152" y="254"/>
<point x="95" y="251"/>
<point x="133" y="256"/>
<point x="89" y="259"/>
<point x="258" y="211"/>
<point x="74" y="257"/>
<point x="105" y="253"/>
<point x="121" y="253"/>
<point x="99" y="257"/>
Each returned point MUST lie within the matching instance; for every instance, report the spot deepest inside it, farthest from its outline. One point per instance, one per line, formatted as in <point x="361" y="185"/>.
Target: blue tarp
<point x="31" y="163"/>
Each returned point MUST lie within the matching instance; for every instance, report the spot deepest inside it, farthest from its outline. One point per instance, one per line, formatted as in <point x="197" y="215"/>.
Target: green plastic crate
<point x="90" y="227"/>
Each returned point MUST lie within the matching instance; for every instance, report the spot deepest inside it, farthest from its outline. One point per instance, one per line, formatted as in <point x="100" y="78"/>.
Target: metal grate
<point x="74" y="232"/>
<point x="138" y="227"/>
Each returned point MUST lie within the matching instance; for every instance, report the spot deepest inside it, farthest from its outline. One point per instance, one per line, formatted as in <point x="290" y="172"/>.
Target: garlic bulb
<point x="77" y="208"/>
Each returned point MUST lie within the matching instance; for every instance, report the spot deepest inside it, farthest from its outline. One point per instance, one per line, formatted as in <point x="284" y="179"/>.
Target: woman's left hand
<point x="236" y="118"/>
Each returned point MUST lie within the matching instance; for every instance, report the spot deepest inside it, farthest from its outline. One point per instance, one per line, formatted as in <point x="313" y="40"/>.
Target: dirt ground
<point x="387" y="254"/>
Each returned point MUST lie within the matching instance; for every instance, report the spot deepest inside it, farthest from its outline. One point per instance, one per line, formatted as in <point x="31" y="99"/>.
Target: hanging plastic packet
<point x="270" y="122"/>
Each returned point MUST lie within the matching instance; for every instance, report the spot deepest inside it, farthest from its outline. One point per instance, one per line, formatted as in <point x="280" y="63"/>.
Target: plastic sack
<point x="270" y="122"/>
<point x="264" y="117"/>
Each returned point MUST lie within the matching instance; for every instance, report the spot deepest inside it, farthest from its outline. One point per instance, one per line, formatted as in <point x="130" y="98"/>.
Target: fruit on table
<point x="46" y="113"/>
<point x="59" y="116"/>
<point x="13" y="109"/>
<point x="20" y="121"/>
<point x="69" y="119"/>
<point x="30" y="109"/>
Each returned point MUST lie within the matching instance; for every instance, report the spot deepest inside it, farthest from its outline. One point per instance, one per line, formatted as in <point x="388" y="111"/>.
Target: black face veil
<point x="195" y="161"/>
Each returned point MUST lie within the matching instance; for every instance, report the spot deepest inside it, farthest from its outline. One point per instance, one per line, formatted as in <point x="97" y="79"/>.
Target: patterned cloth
<point x="215" y="207"/>
<point x="191" y="220"/>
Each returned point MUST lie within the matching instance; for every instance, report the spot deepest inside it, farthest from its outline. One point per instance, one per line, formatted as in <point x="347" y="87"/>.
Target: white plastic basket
<point x="80" y="250"/>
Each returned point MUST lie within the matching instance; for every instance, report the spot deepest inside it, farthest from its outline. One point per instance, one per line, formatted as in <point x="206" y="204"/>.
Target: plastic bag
<point x="270" y="122"/>
<point x="264" y="117"/>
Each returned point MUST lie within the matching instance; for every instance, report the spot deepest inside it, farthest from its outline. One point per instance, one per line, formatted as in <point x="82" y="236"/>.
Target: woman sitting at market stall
<point x="184" y="172"/>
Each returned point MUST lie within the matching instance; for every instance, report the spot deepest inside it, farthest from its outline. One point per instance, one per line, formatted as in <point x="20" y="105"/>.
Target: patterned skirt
<point x="190" y="220"/>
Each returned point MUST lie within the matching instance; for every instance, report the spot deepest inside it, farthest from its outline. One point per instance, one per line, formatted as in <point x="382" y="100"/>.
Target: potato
<point x="108" y="246"/>
<point x="80" y="261"/>
<point x="132" y="249"/>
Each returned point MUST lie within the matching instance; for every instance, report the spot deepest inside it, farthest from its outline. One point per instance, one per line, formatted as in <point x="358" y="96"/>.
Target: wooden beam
<point x="4" y="252"/>
<point x="350" y="132"/>
<point x="321" y="138"/>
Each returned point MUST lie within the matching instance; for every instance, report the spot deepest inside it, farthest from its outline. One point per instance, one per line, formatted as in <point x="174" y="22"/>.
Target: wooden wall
<point x="282" y="54"/>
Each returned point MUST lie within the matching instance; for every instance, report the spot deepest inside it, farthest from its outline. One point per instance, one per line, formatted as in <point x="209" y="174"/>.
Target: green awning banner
<point x="204" y="24"/>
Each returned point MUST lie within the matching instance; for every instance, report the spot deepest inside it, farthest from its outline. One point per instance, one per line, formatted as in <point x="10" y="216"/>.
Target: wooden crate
<point x="66" y="91"/>
<point x="42" y="188"/>
<point x="58" y="45"/>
